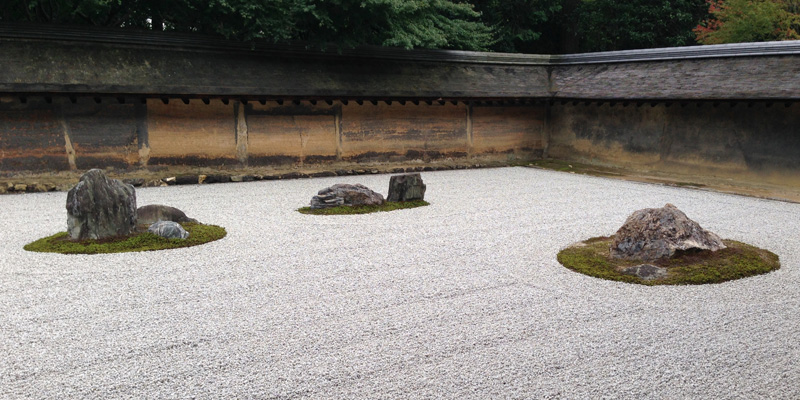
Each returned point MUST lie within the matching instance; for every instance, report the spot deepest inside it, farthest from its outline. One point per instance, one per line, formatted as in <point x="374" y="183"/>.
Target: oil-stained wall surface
<point x="58" y="134"/>
<point x="194" y="133"/>
<point x="63" y="133"/>
<point x="508" y="129"/>
<point x="733" y="139"/>
<point x="405" y="130"/>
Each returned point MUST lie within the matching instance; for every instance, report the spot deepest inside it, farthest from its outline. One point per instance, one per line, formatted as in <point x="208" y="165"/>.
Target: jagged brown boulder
<point x="343" y="194"/>
<point x="99" y="207"/>
<point x="656" y="233"/>
<point x="406" y="187"/>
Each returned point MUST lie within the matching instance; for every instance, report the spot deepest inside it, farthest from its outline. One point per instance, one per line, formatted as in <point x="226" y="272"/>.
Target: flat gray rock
<point x="99" y="207"/>
<point x="168" y="229"/>
<point x="655" y="233"/>
<point x="647" y="272"/>
<point x="343" y="194"/>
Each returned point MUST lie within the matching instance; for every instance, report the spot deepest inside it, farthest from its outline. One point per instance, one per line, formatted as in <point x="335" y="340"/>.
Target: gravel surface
<point x="460" y="299"/>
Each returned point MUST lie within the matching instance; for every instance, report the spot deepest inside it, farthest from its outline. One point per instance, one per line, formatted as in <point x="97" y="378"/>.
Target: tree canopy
<point x="529" y="26"/>
<point x="637" y="24"/>
<point x="346" y="23"/>
<point x="736" y="21"/>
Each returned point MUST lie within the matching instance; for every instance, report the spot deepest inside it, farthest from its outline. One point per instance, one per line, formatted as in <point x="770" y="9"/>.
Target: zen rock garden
<point x="664" y="246"/>
<point x="102" y="210"/>
<point x="655" y="246"/>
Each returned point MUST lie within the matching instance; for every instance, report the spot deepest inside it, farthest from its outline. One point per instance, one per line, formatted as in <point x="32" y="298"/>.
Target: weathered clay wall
<point x="508" y="130"/>
<point x="181" y="133"/>
<point x="415" y="131"/>
<point x="739" y="140"/>
<point x="293" y="133"/>
<point x="60" y="134"/>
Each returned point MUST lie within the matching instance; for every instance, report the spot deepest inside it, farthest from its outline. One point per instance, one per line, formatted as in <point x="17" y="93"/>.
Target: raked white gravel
<point x="461" y="299"/>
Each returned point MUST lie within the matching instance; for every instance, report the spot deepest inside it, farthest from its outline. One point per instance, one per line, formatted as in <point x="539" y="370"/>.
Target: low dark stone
<point x="342" y="194"/>
<point x="217" y="178"/>
<point x="187" y="180"/>
<point x="322" y="174"/>
<point x="294" y="175"/>
<point x="99" y="207"/>
<point x="656" y="233"/>
<point x="135" y="182"/>
<point x="398" y="170"/>
<point x="428" y="169"/>
<point x="344" y="172"/>
<point x="647" y="272"/>
<point x="270" y="177"/>
<point x="168" y="229"/>
<point x="406" y="187"/>
<point x="152" y="213"/>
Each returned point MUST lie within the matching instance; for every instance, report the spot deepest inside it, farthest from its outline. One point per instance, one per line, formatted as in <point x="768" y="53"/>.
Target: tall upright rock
<point x="99" y="207"/>
<point x="406" y="187"/>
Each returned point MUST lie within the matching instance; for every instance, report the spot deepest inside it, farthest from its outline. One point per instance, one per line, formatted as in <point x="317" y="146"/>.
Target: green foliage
<point x="346" y="210"/>
<point x="738" y="260"/>
<point x="605" y="25"/>
<point x="345" y="23"/>
<point x="146" y="241"/>
<point x="517" y="25"/>
<point x="738" y="21"/>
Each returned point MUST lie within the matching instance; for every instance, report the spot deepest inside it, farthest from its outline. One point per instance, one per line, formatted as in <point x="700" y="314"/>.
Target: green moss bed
<point x="739" y="260"/>
<point x="145" y="241"/>
<point x="346" y="210"/>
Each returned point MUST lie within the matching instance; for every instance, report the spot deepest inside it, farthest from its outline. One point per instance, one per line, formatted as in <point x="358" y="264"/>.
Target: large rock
<point x="342" y="194"/>
<point x="99" y="207"/>
<point x="150" y="214"/>
<point x="168" y="229"/>
<point x="406" y="187"/>
<point x="655" y="233"/>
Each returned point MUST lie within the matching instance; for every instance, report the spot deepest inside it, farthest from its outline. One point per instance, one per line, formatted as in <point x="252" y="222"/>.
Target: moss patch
<point x="739" y="260"/>
<point x="146" y="241"/>
<point x="345" y="210"/>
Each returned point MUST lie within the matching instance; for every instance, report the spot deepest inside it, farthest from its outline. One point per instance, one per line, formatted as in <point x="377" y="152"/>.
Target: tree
<point x="605" y="25"/>
<point x="518" y="25"/>
<point x="736" y="21"/>
<point x="345" y="23"/>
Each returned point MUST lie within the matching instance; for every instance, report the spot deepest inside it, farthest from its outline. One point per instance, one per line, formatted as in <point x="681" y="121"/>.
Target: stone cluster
<point x="401" y="188"/>
<point x="99" y="208"/>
